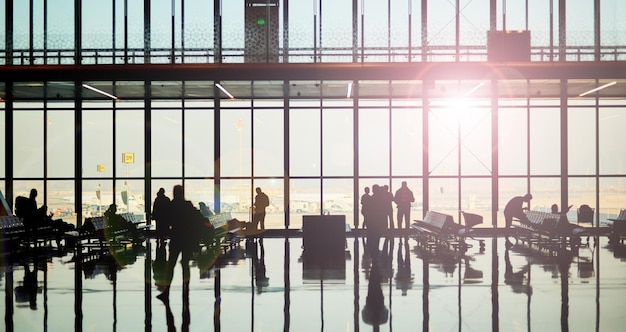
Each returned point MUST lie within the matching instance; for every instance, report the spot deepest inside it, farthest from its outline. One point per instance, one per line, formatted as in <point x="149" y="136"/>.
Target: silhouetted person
<point x="261" y="201"/>
<point x="403" y="198"/>
<point x="185" y="236"/>
<point x="117" y="223"/>
<point x="26" y="208"/>
<point x="365" y="204"/>
<point x="515" y="209"/>
<point x="554" y="209"/>
<point x="388" y="199"/>
<point x="160" y="209"/>
<point x="377" y="221"/>
<point x="205" y="210"/>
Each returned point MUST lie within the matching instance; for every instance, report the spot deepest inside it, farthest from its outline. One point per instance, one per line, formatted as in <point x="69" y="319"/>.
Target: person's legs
<point x="262" y="219"/>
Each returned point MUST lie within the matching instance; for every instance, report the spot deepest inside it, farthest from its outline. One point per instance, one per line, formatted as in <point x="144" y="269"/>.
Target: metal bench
<point x="548" y="230"/>
<point x="439" y="229"/>
<point x="618" y="227"/>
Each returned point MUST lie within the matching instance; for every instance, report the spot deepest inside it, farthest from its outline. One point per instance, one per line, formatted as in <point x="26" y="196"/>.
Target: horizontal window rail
<point x="297" y="55"/>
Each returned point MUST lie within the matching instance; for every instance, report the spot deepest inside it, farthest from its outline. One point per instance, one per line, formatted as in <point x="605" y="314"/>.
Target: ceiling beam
<point x="317" y="71"/>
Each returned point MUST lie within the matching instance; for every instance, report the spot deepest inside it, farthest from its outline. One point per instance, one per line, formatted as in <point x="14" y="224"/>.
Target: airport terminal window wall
<point x="312" y="148"/>
<point x="208" y="31"/>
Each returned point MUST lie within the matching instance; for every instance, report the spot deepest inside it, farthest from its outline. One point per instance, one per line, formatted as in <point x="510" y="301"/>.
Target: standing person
<point x="365" y="205"/>
<point x="388" y="201"/>
<point x="160" y="214"/>
<point x="403" y="198"/>
<point x="261" y="201"/>
<point x="515" y="209"/>
<point x="185" y="233"/>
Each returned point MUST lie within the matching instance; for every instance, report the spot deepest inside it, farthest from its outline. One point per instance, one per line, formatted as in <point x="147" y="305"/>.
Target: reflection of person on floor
<point x="27" y="292"/>
<point x="169" y="316"/>
<point x="515" y="209"/>
<point x="261" y="201"/>
<point x="260" y="276"/>
<point x="160" y="209"/>
<point x="159" y="266"/>
<point x="516" y="279"/>
<point x="404" y="279"/>
<point x="184" y="238"/>
<point x="374" y="312"/>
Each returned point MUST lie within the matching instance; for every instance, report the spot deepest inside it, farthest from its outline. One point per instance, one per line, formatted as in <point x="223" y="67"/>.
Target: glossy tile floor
<point x="266" y="285"/>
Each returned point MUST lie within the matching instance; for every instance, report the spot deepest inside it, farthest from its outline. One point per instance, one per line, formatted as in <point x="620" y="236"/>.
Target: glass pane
<point x="612" y="150"/>
<point x="129" y="197"/>
<point x="129" y="141"/>
<point x="304" y="142"/>
<point x="236" y="196"/>
<point x="512" y="137"/>
<point x="581" y="141"/>
<point x="443" y="131"/>
<point x="167" y="143"/>
<point x="545" y="141"/>
<point x="60" y="201"/>
<point x="61" y="30"/>
<point x="443" y="195"/>
<point x="235" y="140"/>
<point x="97" y="144"/>
<point x="60" y="143"/>
<point x="611" y="192"/>
<point x="612" y="23"/>
<point x="580" y="191"/>
<point x="476" y="141"/>
<point x="196" y="191"/>
<point x="198" y="24"/>
<point x="305" y="199"/>
<point x="337" y="142"/>
<point x="199" y="142"/>
<point x="338" y="197"/>
<point x="268" y="142"/>
<point x="97" y="29"/>
<point x="545" y="191"/>
<point x="374" y="142"/>
<point x="28" y="144"/>
<point x="476" y="198"/>
<point x="406" y="142"/>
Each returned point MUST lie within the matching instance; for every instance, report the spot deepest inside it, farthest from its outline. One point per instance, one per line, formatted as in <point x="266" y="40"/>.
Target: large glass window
<point x="199" y="141"/>
<point x="512" y="141"/>
<point x="374" y="141"/>
<point x="167" y="143"/>
<point x="268" y="142"/>
<point x="612" y="150"/>
<point x="28" y="147"/>
<point x="581" y="141"/>
<point x="304" y="142"/>
<point x="235" y="143"/>
<point x="60" y="149"/>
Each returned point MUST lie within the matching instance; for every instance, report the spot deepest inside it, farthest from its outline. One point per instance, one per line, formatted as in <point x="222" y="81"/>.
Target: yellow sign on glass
<point x="100" y="168"/>
<point x="128" y="157"/>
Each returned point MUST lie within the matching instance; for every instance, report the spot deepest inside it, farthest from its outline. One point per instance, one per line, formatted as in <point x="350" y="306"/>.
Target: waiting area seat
<point x="550" y="231"/>
<point x="439" y="230"/>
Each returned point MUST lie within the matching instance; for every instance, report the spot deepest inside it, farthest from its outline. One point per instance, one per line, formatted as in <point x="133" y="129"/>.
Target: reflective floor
<point x="267" y="285"/>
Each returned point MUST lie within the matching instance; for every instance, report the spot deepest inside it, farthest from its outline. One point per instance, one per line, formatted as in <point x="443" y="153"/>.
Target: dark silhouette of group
<point x="377" y="208"/>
